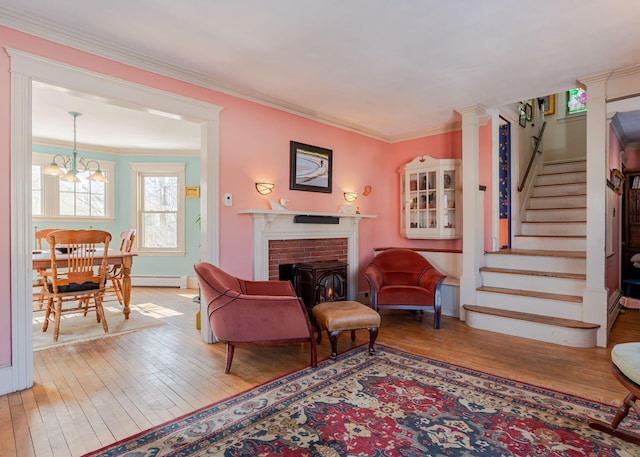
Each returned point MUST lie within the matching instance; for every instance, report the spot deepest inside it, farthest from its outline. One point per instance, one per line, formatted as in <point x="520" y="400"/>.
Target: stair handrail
<point x="533" y="155"/>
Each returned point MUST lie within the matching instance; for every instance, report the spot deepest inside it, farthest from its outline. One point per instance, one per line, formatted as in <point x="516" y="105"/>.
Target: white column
<point x="472" y="216"/>
<point x="495" y="179"/>
<point x="594" y="297"/>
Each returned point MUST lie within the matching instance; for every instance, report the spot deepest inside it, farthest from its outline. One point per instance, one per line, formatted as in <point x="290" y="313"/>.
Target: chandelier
<point x="70" y="166"/>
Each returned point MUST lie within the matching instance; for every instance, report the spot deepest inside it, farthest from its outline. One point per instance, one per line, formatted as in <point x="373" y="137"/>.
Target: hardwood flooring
<point x="90" y="394"/>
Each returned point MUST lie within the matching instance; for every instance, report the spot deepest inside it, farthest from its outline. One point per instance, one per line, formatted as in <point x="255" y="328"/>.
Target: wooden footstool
<point x="338" y="316"/>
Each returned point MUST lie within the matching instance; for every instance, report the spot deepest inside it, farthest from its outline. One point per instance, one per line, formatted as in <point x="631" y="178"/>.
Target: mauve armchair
<point x="253" y="312"/>
<point x="403" y="279"/>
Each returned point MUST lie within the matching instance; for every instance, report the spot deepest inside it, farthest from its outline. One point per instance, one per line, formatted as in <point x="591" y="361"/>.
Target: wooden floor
<point x="91" y="394"/>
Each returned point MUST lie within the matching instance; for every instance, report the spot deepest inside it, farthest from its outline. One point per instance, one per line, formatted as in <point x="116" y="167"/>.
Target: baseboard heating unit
<point x="159" y="281"/>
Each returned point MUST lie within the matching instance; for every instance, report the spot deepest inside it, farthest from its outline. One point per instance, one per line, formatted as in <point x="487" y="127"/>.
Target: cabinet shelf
<point x="429" y="197"/>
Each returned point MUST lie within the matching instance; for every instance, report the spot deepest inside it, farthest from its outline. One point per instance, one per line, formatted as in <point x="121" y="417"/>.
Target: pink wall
<point x="632" y="160"/>
<point x="254" y="146"/>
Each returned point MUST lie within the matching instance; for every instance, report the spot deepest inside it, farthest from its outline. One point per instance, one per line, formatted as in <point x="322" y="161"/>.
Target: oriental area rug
<point x="390" y="404"/>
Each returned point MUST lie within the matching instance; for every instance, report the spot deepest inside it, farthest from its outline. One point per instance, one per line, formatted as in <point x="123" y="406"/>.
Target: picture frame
<point x="522" y="121"/>
<point x="310" y="168"/>
<point x="192" y="192"/>
<point x="617" y="179"/>
<point x="549" y="104"/>
<point x="528" y="111"/>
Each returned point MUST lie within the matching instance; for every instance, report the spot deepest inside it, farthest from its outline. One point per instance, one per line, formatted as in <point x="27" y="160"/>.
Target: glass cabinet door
<point x="428" y="193"/>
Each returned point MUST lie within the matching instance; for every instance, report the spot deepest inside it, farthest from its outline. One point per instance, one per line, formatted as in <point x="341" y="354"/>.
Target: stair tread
<point x="572" y="183"/>
<point x="540" y="252"/>
<point x="548" y="274"/>
<point x="558" y="196"/>
<point x="554" y="173"/>
<point x="563" y="208"/>
<point x="557" y="321"/>
<point x="554" y="222"/>
<point x="551" y="236"/>
<point x="531" y="293"/>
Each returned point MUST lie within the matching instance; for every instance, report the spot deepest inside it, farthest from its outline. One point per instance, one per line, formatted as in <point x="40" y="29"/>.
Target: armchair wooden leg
<point x="230" y="349"/>
<point x="436" y="317"/>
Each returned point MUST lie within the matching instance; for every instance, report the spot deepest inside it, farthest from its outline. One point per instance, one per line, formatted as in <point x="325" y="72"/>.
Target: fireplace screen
<point x="331" y="287"/>
<point x="318" y="282"/>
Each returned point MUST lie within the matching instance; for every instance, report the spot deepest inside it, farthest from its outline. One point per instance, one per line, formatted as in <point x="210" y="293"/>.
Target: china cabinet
<point x="430" y="198"/>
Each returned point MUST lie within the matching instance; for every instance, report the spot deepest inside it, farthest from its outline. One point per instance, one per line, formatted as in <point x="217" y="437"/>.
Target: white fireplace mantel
<point x="280" y="225"/>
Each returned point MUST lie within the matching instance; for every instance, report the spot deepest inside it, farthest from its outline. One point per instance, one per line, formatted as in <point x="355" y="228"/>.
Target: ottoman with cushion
<point x="339" y="316"/>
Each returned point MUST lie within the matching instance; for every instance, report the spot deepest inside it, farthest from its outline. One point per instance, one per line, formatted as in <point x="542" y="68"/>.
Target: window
<point x="159" y="207"/>
<point x="576" y="101"/>
<point x="83" y="201"/>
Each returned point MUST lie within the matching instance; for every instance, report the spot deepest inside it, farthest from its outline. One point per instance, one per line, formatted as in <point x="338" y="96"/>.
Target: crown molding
<point x="117" y="151"/>
<point x="55" y="33"/>
<point x="86" y="43"/>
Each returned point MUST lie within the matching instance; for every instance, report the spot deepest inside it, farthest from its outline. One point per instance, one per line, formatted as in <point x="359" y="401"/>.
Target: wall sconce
<point x="264" y="188"/>
<point x="350" y="196"/>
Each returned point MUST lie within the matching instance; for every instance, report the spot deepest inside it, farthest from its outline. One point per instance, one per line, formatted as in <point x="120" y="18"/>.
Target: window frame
<point x="143" y="169"/>
<point x="50" y="198"/>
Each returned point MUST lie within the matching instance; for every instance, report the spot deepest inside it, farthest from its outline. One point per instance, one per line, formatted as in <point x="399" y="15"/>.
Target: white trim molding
<point x="26" y="68"/>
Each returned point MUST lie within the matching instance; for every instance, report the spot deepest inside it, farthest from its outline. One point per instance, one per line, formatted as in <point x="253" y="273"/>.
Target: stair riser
<point x="532" y="305"/>
<point x="535" y="331"/>
<point x="568" y="201"/>
<point x="545" y="229"/>
<point x="545" y="284"/>
<point x="561" y="178"/>
<point x="564" y="167"/>
<point x="537" y="263"/>
<point x="549" y="244"/>
<point x="560" y="189"/>
<point x="562" y="214"/>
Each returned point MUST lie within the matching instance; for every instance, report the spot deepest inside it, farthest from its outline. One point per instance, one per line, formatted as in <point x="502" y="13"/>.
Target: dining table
<point x="42" y="261"/>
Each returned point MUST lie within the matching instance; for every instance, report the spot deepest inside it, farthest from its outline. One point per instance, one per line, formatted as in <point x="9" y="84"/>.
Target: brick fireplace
<point x="305" y="251"/>
<point x="277" y="234"/>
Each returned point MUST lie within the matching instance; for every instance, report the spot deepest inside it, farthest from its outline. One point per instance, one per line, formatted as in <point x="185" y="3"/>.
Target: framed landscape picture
<point x="310" y="168"/>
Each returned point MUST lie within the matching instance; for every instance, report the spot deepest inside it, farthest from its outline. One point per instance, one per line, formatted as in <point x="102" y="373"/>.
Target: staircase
<point x="546" y="268"/>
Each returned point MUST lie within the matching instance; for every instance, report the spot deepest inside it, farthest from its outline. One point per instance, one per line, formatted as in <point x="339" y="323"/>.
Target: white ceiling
<point x="390" y="69"/>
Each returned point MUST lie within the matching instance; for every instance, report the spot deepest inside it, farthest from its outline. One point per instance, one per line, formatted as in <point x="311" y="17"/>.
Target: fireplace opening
<point x="317" y="282"/>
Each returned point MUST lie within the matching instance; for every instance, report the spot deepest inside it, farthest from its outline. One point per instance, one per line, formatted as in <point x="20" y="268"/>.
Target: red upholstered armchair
<point x="253" y="312"/>
<point x="403" y="279"/>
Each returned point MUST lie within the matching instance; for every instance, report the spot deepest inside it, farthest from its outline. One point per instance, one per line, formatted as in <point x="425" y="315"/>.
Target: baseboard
<point x="613" y="309"/>
<point x="159" y="281"/>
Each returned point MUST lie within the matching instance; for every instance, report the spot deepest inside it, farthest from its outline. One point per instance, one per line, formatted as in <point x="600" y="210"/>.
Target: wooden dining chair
<point x="78" y="274"/>
<point x="40" y="282"/>
<point x="127" y="238"/>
